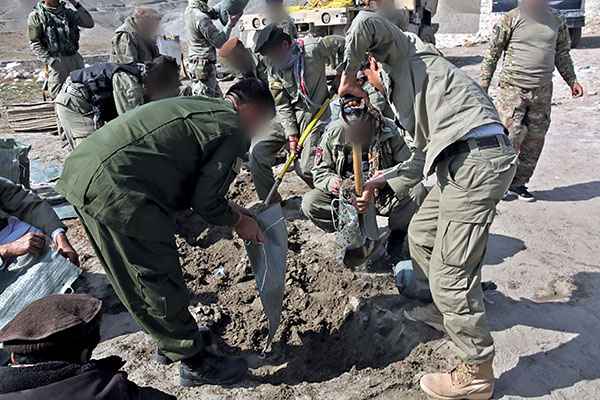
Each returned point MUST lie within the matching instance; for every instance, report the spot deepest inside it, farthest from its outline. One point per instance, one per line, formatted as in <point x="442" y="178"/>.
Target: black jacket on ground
<point x="95" y="380"/>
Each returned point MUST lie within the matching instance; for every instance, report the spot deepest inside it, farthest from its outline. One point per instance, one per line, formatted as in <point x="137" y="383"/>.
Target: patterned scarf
<point x="295" y="60"/>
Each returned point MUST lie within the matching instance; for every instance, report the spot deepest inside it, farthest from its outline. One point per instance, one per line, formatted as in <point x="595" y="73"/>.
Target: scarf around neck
<point x="295" y="61"/>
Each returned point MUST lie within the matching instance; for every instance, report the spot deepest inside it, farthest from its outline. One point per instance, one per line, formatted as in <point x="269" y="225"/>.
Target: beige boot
<point x="462" y="382"/>
<point x="429" y="315"/>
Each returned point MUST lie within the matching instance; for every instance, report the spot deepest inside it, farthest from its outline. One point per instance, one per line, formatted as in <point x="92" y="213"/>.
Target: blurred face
<point x="275" y="10"/>
<point x="385" y="5"/>
<point x="148" y="26"/>
<point x="360" y="133"/>
<point x="254" y="117"/>
<point x="535" y="5"/>
<point x="162" y="84"/>
<point x="238" y="57"/>
<point x="279" y="54"/>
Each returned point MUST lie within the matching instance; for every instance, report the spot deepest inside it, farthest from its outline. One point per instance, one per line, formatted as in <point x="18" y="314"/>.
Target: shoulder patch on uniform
<point x="276" y="85"/>
<point x="318" y="155"/>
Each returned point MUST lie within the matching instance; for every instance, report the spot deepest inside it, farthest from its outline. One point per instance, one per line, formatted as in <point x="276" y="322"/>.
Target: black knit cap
<point x="51" y="323"/>
<point x="271" y="35"/>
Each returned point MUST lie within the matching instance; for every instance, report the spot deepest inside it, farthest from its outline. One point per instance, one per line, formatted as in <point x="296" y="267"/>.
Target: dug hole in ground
<point x="343" y="334"/>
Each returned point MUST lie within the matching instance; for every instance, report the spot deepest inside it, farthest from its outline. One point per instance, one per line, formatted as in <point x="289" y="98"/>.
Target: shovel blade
<point x="359" y="255"/>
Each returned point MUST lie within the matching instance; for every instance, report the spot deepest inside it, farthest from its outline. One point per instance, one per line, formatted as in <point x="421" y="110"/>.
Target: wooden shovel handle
<point x="359" y="181"/>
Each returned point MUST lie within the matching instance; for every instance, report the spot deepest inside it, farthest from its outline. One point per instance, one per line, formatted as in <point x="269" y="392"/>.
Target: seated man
<point x="95" y="95"/>
<point x="384" y="152"/>
<point x="51" y="343"/>
<point x="22" y="216"/>
<point x="135" y="40"/>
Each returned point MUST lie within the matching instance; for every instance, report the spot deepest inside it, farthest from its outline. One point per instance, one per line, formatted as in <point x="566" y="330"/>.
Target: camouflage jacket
<point x="531" y="50"/>
<point x="294" y="114"/>
<point x="129" y="46"/>
<point x="333" y="154"/>
<point x="203" y="36"/>
<point x="54" y="31"/>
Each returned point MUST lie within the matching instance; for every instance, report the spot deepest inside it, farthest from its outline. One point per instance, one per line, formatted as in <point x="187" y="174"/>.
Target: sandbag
<point x="268" y="260"/>
<point x="233" y="6"/>
<point x="14" y="161"/>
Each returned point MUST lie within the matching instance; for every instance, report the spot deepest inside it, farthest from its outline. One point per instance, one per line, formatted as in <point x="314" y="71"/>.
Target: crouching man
<point x="95" y="95"/>
<point x="384" y="150"/>
<point x="128" y="183"/>
<point x="26" y="221"/>
<point x="51" y="343"/>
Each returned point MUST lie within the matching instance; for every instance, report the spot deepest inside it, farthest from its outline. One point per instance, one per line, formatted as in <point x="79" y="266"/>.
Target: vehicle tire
<point x="426" y="34"/>
<point x="575" y="36"/>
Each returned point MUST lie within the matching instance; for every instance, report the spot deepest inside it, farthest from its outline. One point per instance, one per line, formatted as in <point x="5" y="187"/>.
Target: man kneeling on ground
<point x="130" y="181"/>
<point x="384" y="149"/>
<point x="95" y="95"/>
<point x="25" y="223"/>
<point x="51" y="343"/>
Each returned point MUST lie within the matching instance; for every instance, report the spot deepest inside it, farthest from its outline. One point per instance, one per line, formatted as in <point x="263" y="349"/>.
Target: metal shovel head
<point x="268" y="261"/>
<point x="372" y="239"/>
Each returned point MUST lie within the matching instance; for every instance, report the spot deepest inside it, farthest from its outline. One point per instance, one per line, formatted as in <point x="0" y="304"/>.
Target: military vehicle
<point x="327" y="20"/>
<point x="572" y="10"/>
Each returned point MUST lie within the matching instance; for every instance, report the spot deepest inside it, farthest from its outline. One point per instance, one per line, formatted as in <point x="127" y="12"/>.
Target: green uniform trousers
<point x="147" y="277"/>
<point x="264" y="149"/>
<point x="526" y="115"/>
<point x="448" y="238"/>
<point x="59" y="71"/>
<point x="316" y="205"/>
<point x="76" y="119"/>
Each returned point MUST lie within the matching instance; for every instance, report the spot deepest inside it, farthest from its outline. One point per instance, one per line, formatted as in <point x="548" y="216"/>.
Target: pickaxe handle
<point x="303" y="137"/>
<point x="359" y="179"/>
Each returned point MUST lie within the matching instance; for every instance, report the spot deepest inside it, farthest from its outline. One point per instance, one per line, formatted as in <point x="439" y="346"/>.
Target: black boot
<point x="396" y="249"/>
<point x="162" y="359"/>
<point x="209" y="368"/>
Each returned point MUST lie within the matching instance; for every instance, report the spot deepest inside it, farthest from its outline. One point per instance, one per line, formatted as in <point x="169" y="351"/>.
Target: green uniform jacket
<point x="331" y="165"/>
<point x="531" y="48"/>
<point x="36" y="27"/>
<point x="433" y="100"/>
<point x="130" y="46"/>
<point x="292" y="111"/>
<point x="139" y="171"/>
<point x="23" y="204"/>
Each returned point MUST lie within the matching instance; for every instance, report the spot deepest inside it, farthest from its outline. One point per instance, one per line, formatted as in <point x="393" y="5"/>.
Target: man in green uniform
<point x="84" y="106"/>
<point x="245" y="63"/>
<point x="203" y="40"/>
<point x="25" y="223"/>
<point x="298" y="83"/>
<point x="135" y="40"/>
<point x="534" y="39"/>
<point x="383" y="150"/>
<point x="130" y="180"/>
<point x="451" y="118"/>
<point x="53" y="34"/>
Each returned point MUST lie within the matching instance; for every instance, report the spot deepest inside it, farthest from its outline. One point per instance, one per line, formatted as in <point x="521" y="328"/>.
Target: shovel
<point x="372" y="237"/>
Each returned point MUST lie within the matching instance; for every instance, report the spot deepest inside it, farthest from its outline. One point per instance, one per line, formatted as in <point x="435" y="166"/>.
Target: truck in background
<point x="325" y="20"/>
<point x="572" y="10"/>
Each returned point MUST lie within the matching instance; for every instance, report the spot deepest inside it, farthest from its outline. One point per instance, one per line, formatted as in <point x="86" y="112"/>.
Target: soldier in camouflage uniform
<point x="203" y="40"/>
<point x="384" y="150"/>
<point x="534" y="39"/>
<point x="135" y="40"/>
<point x="130" y="86"/>
<point x="53" y="34"/>
<point x="298" y="83"/>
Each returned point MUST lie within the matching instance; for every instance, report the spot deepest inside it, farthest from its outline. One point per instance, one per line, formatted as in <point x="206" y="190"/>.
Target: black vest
<point x="98" y="81"/>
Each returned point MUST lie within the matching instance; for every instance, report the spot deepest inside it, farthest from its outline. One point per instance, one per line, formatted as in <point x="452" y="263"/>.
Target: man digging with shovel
<point x="381" y="148"/>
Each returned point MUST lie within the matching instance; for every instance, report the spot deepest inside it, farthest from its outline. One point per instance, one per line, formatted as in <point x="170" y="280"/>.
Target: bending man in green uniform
<point x="130" y="180"/>
<point x="53" y="33"/>
<point x="203" y="41"/>
<point x="534" y="39"/>
<point x="135" y="40"/>
<point x="298" y="83"/>
<point x="383" y="150"/>
<point x="454" y="121"/>
<point x="83" y="105"/>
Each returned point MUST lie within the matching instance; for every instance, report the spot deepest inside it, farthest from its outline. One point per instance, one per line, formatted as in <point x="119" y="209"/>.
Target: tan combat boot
<point x="429" y="315"/>
<point x="462" y="382"/>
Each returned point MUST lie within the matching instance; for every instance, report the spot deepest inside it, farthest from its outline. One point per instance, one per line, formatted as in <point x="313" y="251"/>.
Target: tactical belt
<point x="462" y="146"/>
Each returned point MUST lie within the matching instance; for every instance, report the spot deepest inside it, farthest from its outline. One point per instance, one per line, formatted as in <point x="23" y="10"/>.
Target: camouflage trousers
<point x="204" y="76"/>
<point x="526" y="114"/>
